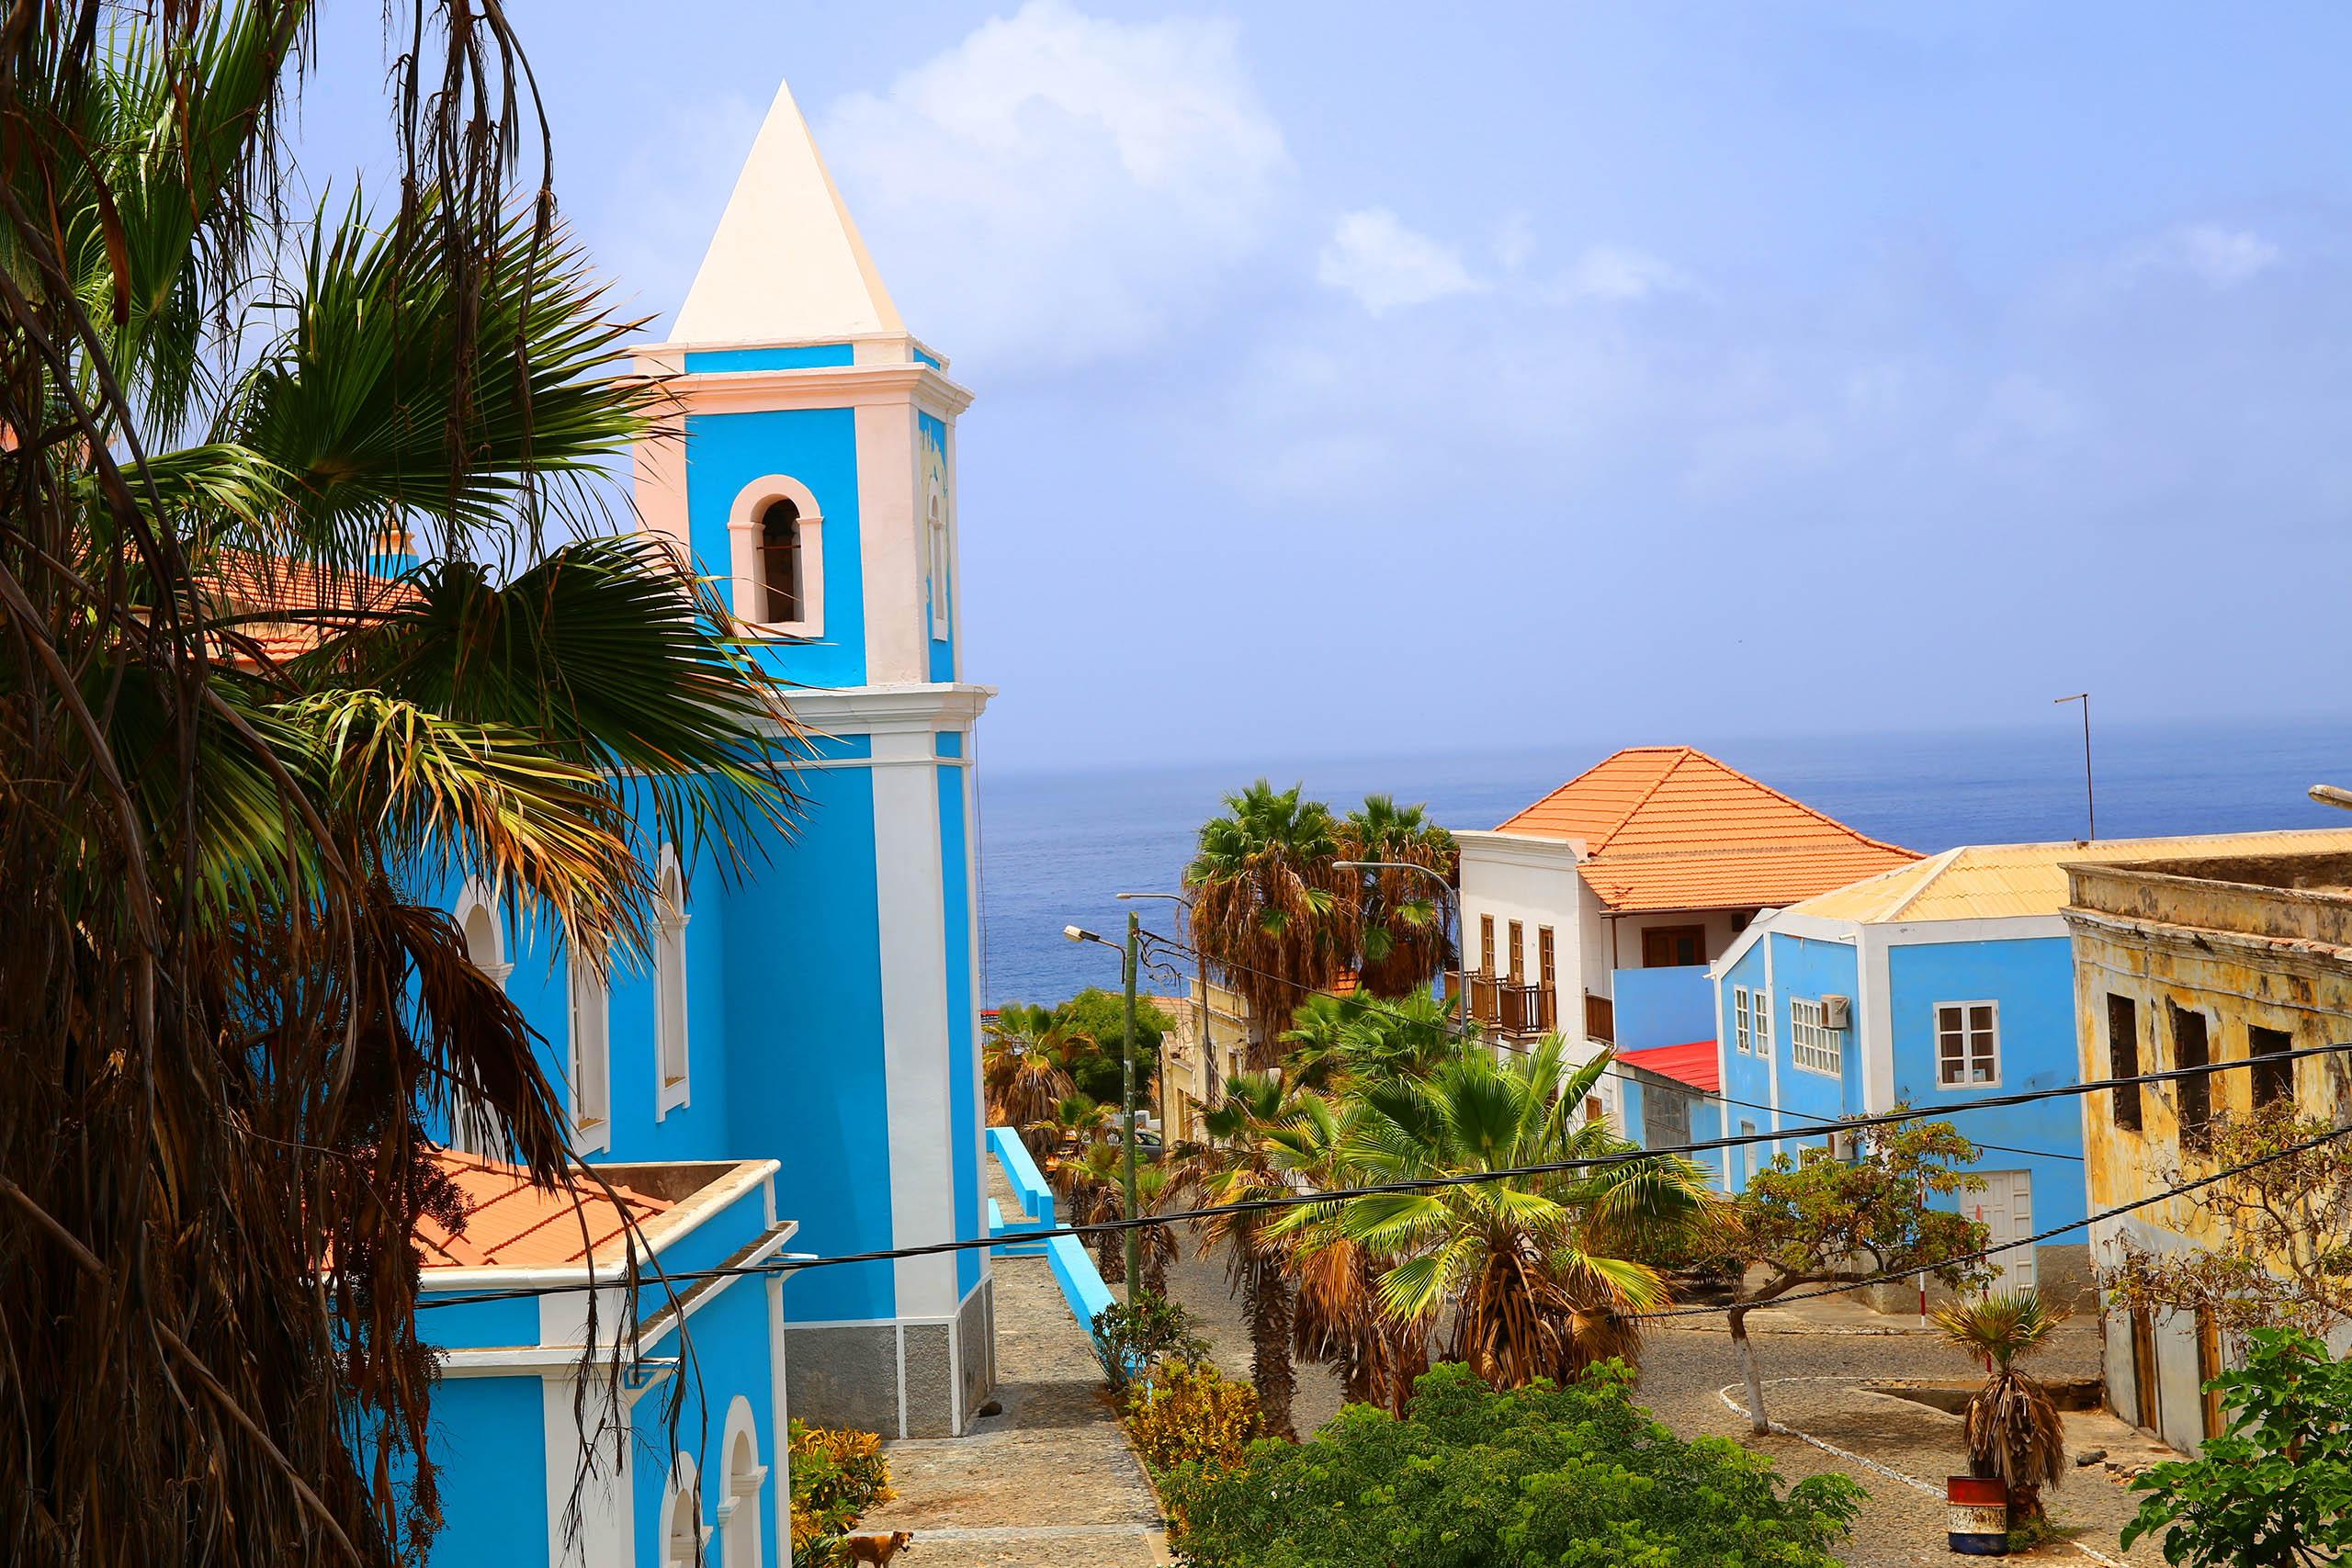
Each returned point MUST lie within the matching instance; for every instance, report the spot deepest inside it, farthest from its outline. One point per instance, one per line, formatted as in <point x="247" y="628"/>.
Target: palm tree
<point x="1257" y="1149"/>
<point x="1402" y="939"/>
<point x="2014" y="1428"/>
<point x="1071" y="1125"/>
<point x="1530" y="1276"/>
<point x="1269" y="908"/>
<point x="1025" y="1067"/>
<point x="236" y="1014"/>
<point x="1355" y="1038"/>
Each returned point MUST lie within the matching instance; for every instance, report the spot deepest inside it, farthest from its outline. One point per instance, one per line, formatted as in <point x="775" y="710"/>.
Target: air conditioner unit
<point x="1836" y="1013"/>
<point x="1845" y="1145"/>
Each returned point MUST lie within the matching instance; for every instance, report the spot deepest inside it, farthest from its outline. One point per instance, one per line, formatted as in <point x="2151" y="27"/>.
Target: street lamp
<point x="1462" y="988"/>
<point x="1208" y="1047"/>
<point x="1131" y="1242"/>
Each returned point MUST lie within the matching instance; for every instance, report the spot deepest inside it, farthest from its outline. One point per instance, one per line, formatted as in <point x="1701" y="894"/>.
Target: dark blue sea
<point x="1056" y="846"/>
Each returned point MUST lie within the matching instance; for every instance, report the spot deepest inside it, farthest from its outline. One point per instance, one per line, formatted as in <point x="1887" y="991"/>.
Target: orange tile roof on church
<point x="510" y="1223"/>
<point x="1671" y="827"/>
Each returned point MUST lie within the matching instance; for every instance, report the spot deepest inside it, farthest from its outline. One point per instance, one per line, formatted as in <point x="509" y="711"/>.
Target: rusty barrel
<point x="1979" y="1525"/>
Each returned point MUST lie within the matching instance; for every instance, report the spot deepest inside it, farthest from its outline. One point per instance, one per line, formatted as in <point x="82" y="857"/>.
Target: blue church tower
<point x="812" y="464"/>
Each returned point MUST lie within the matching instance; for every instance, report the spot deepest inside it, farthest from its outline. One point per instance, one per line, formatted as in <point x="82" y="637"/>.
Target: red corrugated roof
<point x="1671" y="827"/>
<point x="1694" y="1064"/>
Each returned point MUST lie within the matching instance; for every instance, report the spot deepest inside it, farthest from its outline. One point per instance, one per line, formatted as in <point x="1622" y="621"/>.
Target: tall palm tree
<point x="1528" y="1276"/>
<point x="235" y="1015"/>
<point x="2014" y="1428"/>
<point x="1258" y="1150"/>
<point x="1269" y="908"/>
<point x="1403" y="915"/>
<point x="1025" y="1067"/>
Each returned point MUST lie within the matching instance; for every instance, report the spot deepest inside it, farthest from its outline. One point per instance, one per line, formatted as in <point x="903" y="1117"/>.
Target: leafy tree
<point x="2282" y="1228"/>
<point x="1814" y="1220"/>
<point x="1472" y="1478"/>
<point x="233" y="1019"/>
<point x="1269" y="908"/>
<point x="1401" y="940"/>
<point x="2276" y="1488"/>
<point x="2014" y="1428"/>
<point x="1100" y="1016"/>
<point x="1130" y="1338"/>
<point x="1530" y="1277"/>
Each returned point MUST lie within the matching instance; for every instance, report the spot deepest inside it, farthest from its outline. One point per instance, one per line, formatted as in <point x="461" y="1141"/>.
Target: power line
<point x="1456" y="1178"/>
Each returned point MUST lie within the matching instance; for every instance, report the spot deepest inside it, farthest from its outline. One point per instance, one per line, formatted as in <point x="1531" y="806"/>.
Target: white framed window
<point x="1968" y="1045"/>
<point x="1741" y="1041"/>
<point x="775" y="539"/>
<point x="683" y="1536"/>
<point x="592" y="1057"/>
<point x="1759" y="1021"/>
<point x="935" y="507"/>
<point x="485" y="939"/>
<point x="1811" y="1046"/>
<point x="672" y="1089"/>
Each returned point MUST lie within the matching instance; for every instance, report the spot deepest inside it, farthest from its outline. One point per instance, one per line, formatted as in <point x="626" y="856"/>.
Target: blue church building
<point x="795" y="1069"/>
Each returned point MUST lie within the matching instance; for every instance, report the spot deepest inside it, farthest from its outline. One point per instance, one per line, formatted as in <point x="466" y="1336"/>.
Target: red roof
<point x="1670" y="827"/>
<point x="508" y="1221"/>
<point x="1694" y="1064"/>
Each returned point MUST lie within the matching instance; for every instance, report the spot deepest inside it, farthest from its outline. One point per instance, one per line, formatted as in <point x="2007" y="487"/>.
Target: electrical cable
<point x="1464" y="1179"/>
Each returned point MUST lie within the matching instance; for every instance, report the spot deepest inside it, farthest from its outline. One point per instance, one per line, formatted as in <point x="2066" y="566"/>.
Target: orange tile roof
<point x="246" y="583"/>
<point x="1671" y="827"/>
<point x="511" y="1223"/>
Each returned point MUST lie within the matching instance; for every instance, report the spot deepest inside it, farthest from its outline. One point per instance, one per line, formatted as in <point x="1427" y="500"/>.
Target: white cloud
<point x="1514" y="241"/>
<point x="1385" y="265"/>
<point x="1057" y="188"/>
<point x="1614" y="274"/>
<point x="2222" y="258"/>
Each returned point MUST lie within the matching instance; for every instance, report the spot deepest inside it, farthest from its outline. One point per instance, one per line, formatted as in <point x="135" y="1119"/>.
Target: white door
<point x="2005" y="1210"/>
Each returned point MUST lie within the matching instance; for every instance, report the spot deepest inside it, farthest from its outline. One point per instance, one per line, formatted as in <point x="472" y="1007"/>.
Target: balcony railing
<point x="1509" y="1005"/>
<point x="1600" y="1018"/>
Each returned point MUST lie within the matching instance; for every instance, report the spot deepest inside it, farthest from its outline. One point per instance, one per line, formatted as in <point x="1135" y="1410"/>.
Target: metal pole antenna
<point x="2090" y="797"/>
<point x="1133" y="1238"/>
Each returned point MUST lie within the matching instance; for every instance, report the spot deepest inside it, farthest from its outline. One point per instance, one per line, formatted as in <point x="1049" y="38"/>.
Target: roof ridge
<point x="1815" y="814"/>
<point x="1726" y="851"/>
<point x="1940" y="863"/>
<point x="1682" y="755"/>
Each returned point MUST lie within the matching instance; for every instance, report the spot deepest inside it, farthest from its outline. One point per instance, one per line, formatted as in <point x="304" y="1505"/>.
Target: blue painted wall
<point x="1808" y="969"/>
<point x="724" y="451"/>
<point x="2032" y="980"/>
<point x="730" y="1344"/>
<point x="490" y="1437"/>
<point x="1662" y="1007"/>
<point x="795" y="356"/>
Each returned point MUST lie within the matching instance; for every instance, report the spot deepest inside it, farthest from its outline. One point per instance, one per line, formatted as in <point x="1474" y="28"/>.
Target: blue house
<point x="1932" y="985"/>
<point x="796" y="1066"/>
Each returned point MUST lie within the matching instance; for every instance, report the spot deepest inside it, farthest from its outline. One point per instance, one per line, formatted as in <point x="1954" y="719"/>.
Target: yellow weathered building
<point x="2183" y="961"/>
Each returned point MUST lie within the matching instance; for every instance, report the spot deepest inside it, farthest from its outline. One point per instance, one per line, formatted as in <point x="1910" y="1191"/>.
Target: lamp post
<point x="1208" y="1047"/>
<point x="1462" y="988"/>
<point x="1131" y="1243"/>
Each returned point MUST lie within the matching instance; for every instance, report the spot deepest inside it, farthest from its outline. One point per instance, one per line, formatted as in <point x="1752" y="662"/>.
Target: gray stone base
<point x="914" y="1378"/>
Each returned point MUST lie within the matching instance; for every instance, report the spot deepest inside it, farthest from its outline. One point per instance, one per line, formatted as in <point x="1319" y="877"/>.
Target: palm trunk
<point x="1267" y="1301"/>
<point x="1757" y="1421"/>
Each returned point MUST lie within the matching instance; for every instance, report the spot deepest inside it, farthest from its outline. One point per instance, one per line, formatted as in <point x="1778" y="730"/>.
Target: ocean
<point x="1056" y="847"/>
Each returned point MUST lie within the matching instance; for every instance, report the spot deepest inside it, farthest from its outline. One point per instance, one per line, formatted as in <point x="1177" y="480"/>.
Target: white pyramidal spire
<point x="787" y="263"/>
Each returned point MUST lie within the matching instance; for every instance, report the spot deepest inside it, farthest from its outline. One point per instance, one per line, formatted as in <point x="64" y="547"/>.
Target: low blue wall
<point x="1081" y="1283"/>
<point x="1663" y="1006"/>
<point x="1074" y="1270"/>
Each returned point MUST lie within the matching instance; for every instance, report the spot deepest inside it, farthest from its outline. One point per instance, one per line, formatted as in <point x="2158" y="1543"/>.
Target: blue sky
<point x="1366" y="377"/>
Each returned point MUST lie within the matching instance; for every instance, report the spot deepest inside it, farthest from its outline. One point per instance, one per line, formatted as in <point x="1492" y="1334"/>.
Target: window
<point x="1811" y="1045"/>
<point x="2274" y="1081"/>
<point x="1739" y="1037"/>
<point x="780" y="560"/>
<point x="669" y="985"/>
<point x="591" y="1063"/>
<point x="938" y="519"/>
<point x="1486" y="944"/>
<point x="1759" y="1017"/>
<point x="485" y="941"/>
<point x="777" y="558"/>
<point x="2191" y="1048"/>
<point x="739" y="1511"/>
<point x="682" y="1532"/>
<point x="1673" y="947"/>
<point x="2123" y="1057"/>
<point x="1518" y="952"/>
<point x="1968" y="1045"/>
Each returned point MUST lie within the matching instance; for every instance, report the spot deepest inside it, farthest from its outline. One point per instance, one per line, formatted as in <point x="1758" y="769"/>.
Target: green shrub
<point x="1188" y="1412"/>
<point x="1574" y="1477"/>
<point x="1130" y="1338"/>
<point x="837" y="1477"/>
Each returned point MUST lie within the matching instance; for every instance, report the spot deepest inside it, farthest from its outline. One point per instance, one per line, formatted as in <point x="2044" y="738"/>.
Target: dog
<point x="877" y="1548"/>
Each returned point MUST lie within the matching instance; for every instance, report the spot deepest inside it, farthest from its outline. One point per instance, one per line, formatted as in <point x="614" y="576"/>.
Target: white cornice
<point x="1521" y="849"/>
<point x="672" y="354"/>
<point x="882" y="710"/>
<point x="819" y="385"/>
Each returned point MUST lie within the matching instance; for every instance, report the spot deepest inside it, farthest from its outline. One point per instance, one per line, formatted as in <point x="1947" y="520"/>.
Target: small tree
<point x="2276" y="1488"/>
<point x="1820" y="1221"/>
<point x="2014" y="1428"/>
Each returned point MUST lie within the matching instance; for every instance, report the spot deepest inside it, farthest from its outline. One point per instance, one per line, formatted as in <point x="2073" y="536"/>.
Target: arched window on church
<point x="780" y="560"/>
<point x="485" y="941"/>
<point x="669" y="985"/>
<point x="937" y="510"/>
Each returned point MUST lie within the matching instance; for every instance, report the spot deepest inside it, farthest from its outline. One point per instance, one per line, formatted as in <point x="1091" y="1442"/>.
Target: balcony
<point x="1508" y="1004"/>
